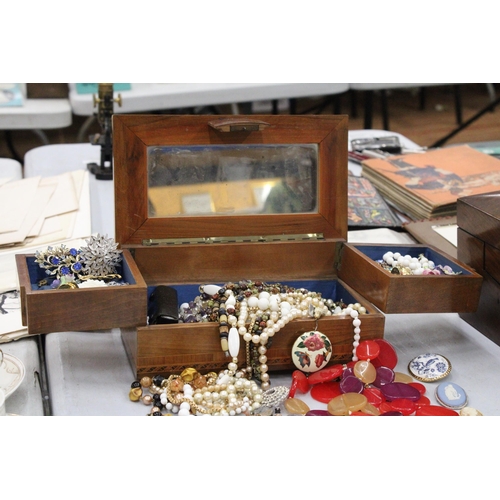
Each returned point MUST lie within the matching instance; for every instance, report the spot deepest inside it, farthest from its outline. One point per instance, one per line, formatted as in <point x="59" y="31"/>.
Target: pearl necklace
<point x="228" y="393"/>
<point x="266" y="309"/>
<point x="406" y="265"/>
<point x="231" y="394"/>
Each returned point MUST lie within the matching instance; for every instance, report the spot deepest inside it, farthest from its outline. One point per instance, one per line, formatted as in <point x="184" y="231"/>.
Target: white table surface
<point x="36" y="114"/>
<point x="89" y="373"/>
<point x="144" y="97"/>
<point x="27" y="399"/>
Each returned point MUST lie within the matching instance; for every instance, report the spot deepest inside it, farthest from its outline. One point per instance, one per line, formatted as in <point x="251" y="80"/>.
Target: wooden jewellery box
<point x="478" y="219"/>
<point x="206" y="200"/>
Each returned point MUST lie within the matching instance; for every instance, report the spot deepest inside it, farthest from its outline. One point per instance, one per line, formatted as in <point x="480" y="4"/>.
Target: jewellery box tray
<point x="405" y="294"/>
<point x="81" y="309"/>
<point x="182" y="191"/>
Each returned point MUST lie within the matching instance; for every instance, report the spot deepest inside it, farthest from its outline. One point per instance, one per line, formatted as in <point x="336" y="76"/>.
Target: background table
<point x="154" y="97"/>
<point x="144" y="97"/>
<point x="36" y="115"/>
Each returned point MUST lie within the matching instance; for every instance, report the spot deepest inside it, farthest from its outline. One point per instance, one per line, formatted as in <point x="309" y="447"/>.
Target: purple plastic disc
<point x="399" y="390"/>
<point x="384" y="376"/>
<point x="351" y="384"/>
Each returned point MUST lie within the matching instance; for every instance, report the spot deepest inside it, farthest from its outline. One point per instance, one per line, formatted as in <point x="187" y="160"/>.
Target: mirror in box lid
<point x="232" y="179"/>
<point x="182" y="177"/>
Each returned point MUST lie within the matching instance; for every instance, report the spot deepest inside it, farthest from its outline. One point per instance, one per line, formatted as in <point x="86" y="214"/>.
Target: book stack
<point x="427" y="185"/>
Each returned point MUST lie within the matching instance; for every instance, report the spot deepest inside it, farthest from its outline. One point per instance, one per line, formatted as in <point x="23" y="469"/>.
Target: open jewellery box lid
<point x="194" y="191"/>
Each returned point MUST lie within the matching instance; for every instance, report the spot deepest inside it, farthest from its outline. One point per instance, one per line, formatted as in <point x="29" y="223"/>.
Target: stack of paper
<point x="36" y="213"/>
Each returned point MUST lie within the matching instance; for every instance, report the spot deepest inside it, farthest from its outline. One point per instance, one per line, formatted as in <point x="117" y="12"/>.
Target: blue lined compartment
<point x="376" y="253"/>
<point x="36" y="273"/>
<point x="329" y="289"/>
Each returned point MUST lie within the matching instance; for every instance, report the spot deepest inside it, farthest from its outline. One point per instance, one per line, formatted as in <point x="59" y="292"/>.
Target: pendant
<point x="311" y="351"/>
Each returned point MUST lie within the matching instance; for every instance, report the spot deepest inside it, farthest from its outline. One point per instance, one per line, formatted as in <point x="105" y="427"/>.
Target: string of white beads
<point x="414" y="265"/>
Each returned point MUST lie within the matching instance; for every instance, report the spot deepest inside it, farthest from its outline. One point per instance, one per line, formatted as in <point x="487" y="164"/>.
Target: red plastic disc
<point x="326" y="374"/>
<point x="423" y="401"/>
<point x="420" y="387"/>
<point x="405" y="406"/>
<point x="374" y="396"/>
<point x="293" y="388"/>
<point x="387" y="355"/>
<point x="302" y="383"/>
<point x="326" y="391"/>
<point x="367" y="349"/>
<point x="385" y="407"/>
<point x="435" y="411"/>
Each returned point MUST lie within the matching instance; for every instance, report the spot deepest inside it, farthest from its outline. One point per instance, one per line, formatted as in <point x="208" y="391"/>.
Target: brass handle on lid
<point x="238" y="125"/>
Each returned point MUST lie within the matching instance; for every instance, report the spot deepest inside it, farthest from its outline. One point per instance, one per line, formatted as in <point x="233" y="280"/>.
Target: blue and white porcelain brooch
<point x="429" y="367"/>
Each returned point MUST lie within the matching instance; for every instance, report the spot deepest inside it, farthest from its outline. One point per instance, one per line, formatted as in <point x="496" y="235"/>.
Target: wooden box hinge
<point x="234" y="239"/>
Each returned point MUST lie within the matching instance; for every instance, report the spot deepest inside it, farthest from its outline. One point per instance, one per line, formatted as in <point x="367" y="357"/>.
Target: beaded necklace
<point x="406" y="265"/>
<point x="255" y="311"/>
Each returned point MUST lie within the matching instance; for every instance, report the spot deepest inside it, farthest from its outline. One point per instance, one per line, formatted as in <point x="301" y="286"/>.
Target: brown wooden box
<point x="182" y="249"/>
<point x="478" y="219"/>
<point x="85" y="309"/>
